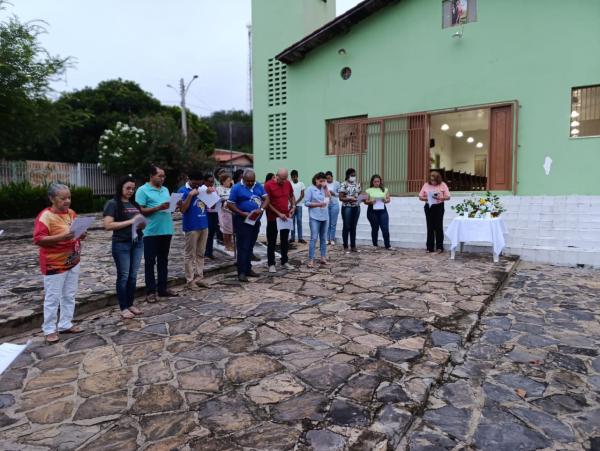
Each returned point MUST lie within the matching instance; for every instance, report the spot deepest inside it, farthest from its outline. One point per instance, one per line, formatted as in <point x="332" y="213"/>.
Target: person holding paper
<point x="315" y="200"/>
<point x="248" y="201"/>
<point x="349" y="192"/>
<point x="59" y="262"/>
<point x="334" y="206"/>
<point x="434" y="193"/>
<point x="121" y="215"/>
<point x="377" y="213"/>
<point x="154" y="199"/>
<point x="299" y="189"/>
<point x="225" y="217"/>
<point x="212" y="214"/>
<point x="195" y="229"/>
<point x="282" y="206"/>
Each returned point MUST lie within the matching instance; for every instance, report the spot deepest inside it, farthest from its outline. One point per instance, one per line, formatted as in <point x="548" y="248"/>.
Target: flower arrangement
<point x="482" y="207"/>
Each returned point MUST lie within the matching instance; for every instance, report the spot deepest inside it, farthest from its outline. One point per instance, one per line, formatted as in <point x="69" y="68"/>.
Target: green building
<point x="498" y="95"/>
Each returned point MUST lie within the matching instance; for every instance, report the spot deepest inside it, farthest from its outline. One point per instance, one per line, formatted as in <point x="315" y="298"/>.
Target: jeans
<point x="434" y="216"/>
<point x="156" y="252"/>
<point x="297" y="220"/>
<point x="60" y="290"/>
<point x="193" y="260"/>
<point x="379" y="219"/>
<point x="318" y="230"/>
<point x="350" y="217"/>
<point x="272" y="241"/>
<point x="127" y="256"/>
<point x="246" y="236"/>
<point x="334" y="211"/>
<point x="213" y="227"/>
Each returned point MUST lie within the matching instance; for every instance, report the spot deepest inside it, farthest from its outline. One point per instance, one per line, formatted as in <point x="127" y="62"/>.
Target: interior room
<point x="460" y="148"/>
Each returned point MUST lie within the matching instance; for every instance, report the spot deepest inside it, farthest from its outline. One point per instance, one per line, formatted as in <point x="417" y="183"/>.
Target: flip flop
<point x="52" y="338"/>
<point x="72" y="330"/>
<point x="126" y="314"/>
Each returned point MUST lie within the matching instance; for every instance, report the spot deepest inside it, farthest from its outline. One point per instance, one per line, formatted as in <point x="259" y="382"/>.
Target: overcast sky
<point x="153" y="42"/>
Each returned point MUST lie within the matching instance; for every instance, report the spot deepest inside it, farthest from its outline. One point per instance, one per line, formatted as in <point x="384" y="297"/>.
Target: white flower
<point x="129" y="148"/>
<point x="105" y="147"/>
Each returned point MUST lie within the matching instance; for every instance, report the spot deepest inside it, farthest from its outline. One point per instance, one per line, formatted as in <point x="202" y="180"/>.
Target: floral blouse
<point x="350" y="190"/>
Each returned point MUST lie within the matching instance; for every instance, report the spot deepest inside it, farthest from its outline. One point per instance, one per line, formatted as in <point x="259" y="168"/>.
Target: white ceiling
<point x="471" y="120"/>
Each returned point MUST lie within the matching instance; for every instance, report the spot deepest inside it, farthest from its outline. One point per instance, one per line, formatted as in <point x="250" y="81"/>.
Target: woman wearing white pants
<point x="59" y="262"/>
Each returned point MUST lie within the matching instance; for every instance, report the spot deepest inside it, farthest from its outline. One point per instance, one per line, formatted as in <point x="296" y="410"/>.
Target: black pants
<point x="245" y="236"/>
<point x="350" y="217"/>
<point x="213" y="226"/>
<point x="435" y="227"/>
<point x="379" y="219"/>
<point x="272" y="241"/>
<point x="156" y="252"/>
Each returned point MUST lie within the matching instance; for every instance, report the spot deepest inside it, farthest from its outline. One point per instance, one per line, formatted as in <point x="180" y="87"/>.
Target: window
<point x="278" y="136"/>
<point x="458" y="12"/>
<point x="346" y="73"/>
<point x="277" y="83"/>
<point x="345" y="136"/>
<point x="585" y="111"/>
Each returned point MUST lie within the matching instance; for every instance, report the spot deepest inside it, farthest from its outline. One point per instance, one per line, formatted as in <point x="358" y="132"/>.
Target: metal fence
<point x="44" y="172"/>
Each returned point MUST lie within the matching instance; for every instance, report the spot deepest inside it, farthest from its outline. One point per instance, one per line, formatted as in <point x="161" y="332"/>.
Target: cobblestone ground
<point x="21" y="286"/>
<point x="322" y="359"/>
<point x="531" y="377"/>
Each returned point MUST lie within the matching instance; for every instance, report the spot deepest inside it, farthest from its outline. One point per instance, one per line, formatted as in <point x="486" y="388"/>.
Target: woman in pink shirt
<point x="435" y="192"/>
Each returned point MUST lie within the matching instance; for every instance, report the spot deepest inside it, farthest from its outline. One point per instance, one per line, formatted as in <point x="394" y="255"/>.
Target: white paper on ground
<point x="9" y="352"/>
<point x="139" y="220"/>
<point x="379" y="205"/>
<point x="81" y="224"/>
<point x="209" y="199"/>
<point x="284" y="224"/>
<point x="173" y="201"/>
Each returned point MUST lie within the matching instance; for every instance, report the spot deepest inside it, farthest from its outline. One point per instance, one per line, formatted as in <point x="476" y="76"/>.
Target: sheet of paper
<point x="173" y="201"/>
<point x="81" y="224"/>
<point x="8" y="354"/>
<point x="379" y="205"/>
<point x="285" y="224"/>
<point x="253" y="217"/>
<point x="430" y="199"/>
<point x="209" y="199"/>
<point x="327" y="200"/>
<point x="362" y="198"/>
<point x="138" y="221"/>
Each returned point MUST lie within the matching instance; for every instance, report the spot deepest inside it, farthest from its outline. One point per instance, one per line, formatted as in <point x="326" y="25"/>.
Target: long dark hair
<point x="377" y="176"/>
<point x="119" y="195"/>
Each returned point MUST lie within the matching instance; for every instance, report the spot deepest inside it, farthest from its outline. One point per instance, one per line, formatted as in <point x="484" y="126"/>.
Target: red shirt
<point x="279" y="195"/>
<point x="61" y="256"/>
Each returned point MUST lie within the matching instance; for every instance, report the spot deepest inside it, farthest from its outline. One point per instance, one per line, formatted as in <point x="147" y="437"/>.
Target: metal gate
<point x="395" y="147"/>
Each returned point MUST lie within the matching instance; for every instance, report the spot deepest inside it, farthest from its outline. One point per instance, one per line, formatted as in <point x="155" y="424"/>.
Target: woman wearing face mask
<point x="59" y="262"/>
<point x="349" y="192"/>
<point x="334" y="206"/>
<point x="316" y="199"/>
<point x="377" y="214"/>
<point x="119" y="216"/>
<point x="434" y="214"/>
<point x="225" y="217"/>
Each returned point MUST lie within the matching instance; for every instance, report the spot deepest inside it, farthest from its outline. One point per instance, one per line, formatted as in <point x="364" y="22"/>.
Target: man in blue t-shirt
<point x="195" y="229"/>
<point x="247" y="200"/>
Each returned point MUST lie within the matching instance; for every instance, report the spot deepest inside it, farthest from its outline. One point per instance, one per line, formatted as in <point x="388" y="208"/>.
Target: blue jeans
<point x="350" y="217"/>
<point x="156" y="252"/>
<point x="245" y="239"/>
<point x="379" y="219"/>
<point x="297" y="220"/>
<point x="334" y="211"/>
<point x="318" y="230"/>
<point x="213" y="227"/>
<point x="127" y="256"/>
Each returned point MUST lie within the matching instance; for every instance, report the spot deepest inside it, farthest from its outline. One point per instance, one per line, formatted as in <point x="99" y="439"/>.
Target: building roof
<point x="330" y="30"/>
<point x="231" y="156"/>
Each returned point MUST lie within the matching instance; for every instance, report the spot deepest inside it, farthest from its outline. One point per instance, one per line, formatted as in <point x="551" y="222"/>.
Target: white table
<point x="462" y="230"/>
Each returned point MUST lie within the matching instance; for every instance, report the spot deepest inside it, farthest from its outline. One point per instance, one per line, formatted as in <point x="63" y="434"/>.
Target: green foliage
<point x="479" y="207"/>
<point x="121" y="148"/>
<point x="241" y="129"/>
<point x="21" y="200"/>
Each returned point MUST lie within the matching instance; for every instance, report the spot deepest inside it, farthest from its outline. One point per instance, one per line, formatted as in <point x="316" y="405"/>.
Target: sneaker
<point x="288" y="266"/>
<point x="302" y="241"/>
<point x="272" y="269"/>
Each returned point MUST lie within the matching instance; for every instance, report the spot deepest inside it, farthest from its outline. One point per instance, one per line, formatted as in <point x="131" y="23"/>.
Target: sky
<point x="153" y="42"/>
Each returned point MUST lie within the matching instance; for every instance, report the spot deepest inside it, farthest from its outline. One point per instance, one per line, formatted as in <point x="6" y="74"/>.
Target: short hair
<point x="269" y="176"/>
<point x="437" y="176"/>
<point x="56" y="188"/>
<point x="349" y="172"/>
<point x="208" y="176"/>
<point x="329" y="173"/>
<point x="248" y="171"/>
<point x="294" y="173"/>
<point x="318" y="176"/>
<point x="223" y="177"/>
<point x="195" y="175"/>
<point x="153" y="169"/>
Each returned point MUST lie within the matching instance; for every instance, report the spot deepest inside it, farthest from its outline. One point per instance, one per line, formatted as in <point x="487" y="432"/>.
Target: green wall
<point x="532" y="51"/>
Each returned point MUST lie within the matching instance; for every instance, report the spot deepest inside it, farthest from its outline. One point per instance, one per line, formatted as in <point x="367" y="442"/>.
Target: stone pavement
<point x="322" y="359"/>
<point x="21" y="286"/>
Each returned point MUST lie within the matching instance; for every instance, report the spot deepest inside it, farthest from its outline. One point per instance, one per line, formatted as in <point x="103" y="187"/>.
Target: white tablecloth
<point x="462" y="230"/>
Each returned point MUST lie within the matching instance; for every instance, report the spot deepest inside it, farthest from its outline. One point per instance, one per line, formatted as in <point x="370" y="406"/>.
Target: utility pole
<point x="183" y="90"/>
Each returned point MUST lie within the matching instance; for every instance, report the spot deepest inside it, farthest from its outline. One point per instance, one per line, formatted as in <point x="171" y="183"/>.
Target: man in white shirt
<point x="299" y="188"/>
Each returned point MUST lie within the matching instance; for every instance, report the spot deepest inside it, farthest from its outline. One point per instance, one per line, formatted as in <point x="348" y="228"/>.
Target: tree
<point x="240" y="138"/>
<point x="27" y="117"/>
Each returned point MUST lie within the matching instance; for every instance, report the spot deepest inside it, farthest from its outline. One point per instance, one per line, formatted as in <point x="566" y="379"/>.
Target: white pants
<point x="60" y="290"/>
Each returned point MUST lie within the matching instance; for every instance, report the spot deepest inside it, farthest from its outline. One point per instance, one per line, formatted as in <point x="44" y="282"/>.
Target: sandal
<point x="135" y="310"/>
<point x="72" y="330"/>
<point x="52" y="338"/>
<point x="311" y="264"/>
<point x="126" y="314"/>
<point x="324" y="262"/>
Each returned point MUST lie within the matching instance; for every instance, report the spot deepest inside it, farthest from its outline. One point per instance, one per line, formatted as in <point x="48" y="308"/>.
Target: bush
<point x="21" y="200"/>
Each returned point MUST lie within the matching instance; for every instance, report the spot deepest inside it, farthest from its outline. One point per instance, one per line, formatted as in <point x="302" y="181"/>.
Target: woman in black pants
<point x="435" y="193"/>
<point x="349" y="196"/>
<point x="377" y="214"/>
